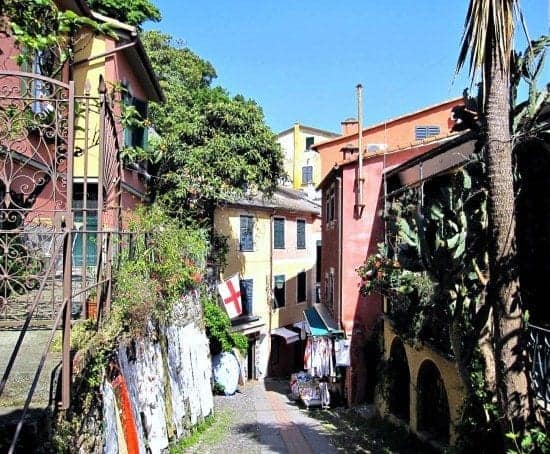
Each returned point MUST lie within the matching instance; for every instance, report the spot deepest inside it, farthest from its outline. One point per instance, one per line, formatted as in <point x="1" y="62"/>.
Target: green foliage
<point x="132" y="12"/>
<point x="213" y="430"/>
<point x="433" y="268"/>
<point x="529" y="120"/>
<point x="40" y="28"/>
<point x="218" y="328"/>
<point x="163" y="262"/>
<point x="535" y="440"/>
<point x="214" y="145"/>
<point x="409" y="293"/>
<point x="194" y="437"/>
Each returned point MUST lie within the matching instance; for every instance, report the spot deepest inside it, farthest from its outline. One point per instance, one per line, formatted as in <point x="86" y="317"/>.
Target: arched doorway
<point x="399" y="381"/>
<point x="432" y="402"/>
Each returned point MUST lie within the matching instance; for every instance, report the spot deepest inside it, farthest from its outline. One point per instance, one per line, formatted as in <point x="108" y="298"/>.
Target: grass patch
<point x="210" y="432"/>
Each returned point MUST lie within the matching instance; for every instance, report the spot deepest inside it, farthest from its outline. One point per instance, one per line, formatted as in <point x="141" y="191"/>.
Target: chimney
<point x="350" y="126"/>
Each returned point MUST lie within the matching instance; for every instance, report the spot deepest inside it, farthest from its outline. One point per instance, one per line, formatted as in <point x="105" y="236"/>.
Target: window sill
<point x="242" y="319"/>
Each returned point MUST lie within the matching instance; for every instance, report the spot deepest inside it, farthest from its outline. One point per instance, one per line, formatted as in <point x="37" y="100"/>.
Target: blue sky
<point x="301" y="60"/>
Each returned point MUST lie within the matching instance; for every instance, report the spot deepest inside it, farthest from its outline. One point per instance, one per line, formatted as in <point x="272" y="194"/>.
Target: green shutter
<point x="300" y="234"/>
<point x="279" y="233"/>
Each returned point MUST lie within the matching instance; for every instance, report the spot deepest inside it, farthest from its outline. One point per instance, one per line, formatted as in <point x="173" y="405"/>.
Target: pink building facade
<point x="352" y="228"/>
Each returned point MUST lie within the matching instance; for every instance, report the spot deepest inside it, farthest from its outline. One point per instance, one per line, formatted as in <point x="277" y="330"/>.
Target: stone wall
<point x="154" y="391"/>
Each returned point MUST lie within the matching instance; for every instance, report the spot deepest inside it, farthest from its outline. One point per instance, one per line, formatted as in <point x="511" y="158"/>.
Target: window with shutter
<point x="279" y="291"/>
<point x="135" y="135"/>
<point x="307" y="174"/>
<point x="301" y="234"/>
<point x="247" y="287"/>
<point x="329" y="205"/>
<point x="278" y="233"/>
<point x="246" y="237"/>
<point x="302" y="289"/>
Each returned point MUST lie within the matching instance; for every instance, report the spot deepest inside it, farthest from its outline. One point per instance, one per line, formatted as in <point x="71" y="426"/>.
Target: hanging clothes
<point x="318" y="357"/>
<point x="342" y="352"/>
<point x="324" y="394"/>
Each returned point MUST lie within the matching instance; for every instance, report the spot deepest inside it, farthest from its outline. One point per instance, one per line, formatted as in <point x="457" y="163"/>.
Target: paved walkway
<point x="263" y="420"/>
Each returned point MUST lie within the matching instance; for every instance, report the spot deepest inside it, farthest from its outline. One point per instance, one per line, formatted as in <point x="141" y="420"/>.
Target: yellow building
<point x="424" y="390"/>
<point x="302" y="164"/>
<point x="273" y="245"/>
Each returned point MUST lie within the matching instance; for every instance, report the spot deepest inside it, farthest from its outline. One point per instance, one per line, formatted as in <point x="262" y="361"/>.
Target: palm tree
<point x="487" y="45"/>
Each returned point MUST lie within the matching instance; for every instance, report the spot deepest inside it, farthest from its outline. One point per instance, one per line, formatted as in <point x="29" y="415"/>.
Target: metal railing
<point x="44" y="129"/>
<point x="539" y="346"/>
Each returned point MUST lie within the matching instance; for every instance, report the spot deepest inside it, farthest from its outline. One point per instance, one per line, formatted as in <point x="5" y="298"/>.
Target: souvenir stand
<point x="312" y="385"/>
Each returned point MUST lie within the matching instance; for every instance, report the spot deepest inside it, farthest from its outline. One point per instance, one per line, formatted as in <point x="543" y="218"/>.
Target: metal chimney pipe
<point x="360" y="150"/>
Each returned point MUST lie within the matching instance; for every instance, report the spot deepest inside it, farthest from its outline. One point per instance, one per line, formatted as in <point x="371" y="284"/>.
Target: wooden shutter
<point x="300" y="234"/>
<point x="279" y="233"/>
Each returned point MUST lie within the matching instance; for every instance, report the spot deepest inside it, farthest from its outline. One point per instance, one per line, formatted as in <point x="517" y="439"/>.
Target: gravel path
<point x="261" y="419"/>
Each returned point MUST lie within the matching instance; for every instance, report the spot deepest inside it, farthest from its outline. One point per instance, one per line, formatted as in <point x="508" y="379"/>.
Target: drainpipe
<point x="340" y="245"/>
<point x="270" y="283"/>
<point x="359" y="199"/>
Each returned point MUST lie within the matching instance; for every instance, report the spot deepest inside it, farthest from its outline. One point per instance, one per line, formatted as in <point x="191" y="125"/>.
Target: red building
<point x="352" y="226"/>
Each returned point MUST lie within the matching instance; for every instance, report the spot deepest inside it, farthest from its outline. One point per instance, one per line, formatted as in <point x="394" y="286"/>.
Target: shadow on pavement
<point x="278" y="385"/>
<point x="34" y="433"/>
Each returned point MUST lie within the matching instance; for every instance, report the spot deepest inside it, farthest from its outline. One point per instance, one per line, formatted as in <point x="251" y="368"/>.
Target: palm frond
<point x="488" y="33"/>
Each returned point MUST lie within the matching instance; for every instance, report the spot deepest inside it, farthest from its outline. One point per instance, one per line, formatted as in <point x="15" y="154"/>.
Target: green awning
<point x="316" y="324"/>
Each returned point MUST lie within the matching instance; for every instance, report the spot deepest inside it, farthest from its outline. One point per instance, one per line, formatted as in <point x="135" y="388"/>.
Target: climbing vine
<point x="45" y="35"/>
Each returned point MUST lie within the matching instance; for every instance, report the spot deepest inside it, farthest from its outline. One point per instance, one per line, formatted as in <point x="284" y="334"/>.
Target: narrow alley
<point x="262" y="419"/>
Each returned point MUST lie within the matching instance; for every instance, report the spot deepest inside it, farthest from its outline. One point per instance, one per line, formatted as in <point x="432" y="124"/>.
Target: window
<point x="309" y="142"/>
<point x="423" y="132"/>
<point x="278" y="233"/>
<point x="329" y="205"/>
<point x="279" y="291"/>
<point x="247" y="287"/>
<point x="135" y="135"/>
<point x="307" y="174"/>
<point x="247" y="229"/>
<point x="300" y="234"/>
<point x="85" y="238"/>
<point x="302" y="287"/>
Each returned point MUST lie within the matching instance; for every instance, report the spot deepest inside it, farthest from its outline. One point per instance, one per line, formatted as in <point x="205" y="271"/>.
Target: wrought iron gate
<point x="36" y="165"/>
<point x="54" y="247"/>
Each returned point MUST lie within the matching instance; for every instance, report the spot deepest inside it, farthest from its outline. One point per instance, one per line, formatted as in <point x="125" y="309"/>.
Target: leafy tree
<point x="213" y="146"/>
<point x="132" y="12"/>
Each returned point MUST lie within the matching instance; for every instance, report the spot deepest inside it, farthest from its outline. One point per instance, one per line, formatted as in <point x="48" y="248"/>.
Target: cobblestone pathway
<point x="261" y="419"/>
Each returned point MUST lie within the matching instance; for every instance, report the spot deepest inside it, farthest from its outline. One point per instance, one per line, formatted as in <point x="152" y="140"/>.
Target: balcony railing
<point x="539" y="344"/>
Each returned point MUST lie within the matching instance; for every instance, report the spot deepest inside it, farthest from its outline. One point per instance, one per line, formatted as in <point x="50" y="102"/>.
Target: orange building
<point x="399" y="132"/>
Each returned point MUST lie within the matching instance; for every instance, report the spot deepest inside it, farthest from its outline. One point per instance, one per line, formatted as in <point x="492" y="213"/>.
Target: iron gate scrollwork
<point x="36" y="159"/>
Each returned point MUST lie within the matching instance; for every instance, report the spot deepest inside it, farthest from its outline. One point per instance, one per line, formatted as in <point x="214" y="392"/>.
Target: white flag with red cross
<point x="230" y="291"/>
